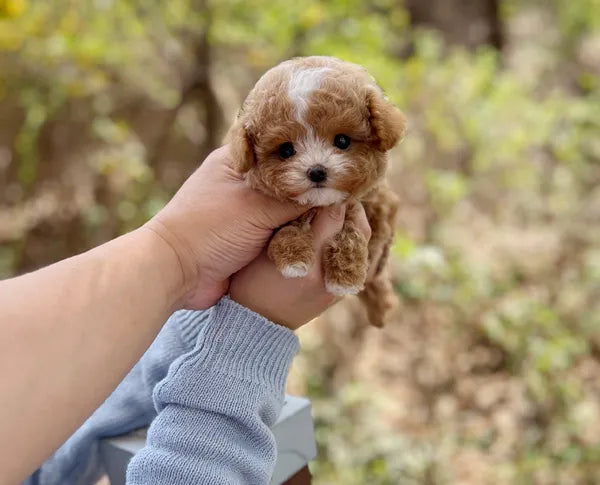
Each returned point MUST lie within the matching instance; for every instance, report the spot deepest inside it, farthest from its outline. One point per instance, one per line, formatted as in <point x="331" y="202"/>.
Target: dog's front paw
<point x="345" y="263"/>
<point x="291" y="249"/>
<point x="341" y="290"/>
<point x="296" y="270"/>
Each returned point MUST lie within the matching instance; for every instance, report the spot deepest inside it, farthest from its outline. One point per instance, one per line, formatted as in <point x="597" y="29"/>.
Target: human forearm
<point x="86" y="321"/>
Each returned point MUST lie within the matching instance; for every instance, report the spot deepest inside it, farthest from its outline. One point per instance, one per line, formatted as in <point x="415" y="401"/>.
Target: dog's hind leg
<point x="378" y="296"/>
<point x="379" y="299"/>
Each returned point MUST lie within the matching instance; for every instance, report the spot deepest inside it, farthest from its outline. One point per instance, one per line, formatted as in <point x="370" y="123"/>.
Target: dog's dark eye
<point x="286" y="150"/>
<point x="341" y="141"/>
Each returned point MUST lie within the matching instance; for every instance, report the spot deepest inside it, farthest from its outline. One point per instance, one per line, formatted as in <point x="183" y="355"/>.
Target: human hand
<point x="295" y="301"/>
<point x="215" y="224"/>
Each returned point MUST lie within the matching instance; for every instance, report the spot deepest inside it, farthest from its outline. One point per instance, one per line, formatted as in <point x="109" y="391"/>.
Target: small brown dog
<point x="315" y="130"/>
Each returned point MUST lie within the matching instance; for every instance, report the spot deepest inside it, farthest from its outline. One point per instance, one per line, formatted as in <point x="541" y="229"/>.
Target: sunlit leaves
<point x="12" y="8"/>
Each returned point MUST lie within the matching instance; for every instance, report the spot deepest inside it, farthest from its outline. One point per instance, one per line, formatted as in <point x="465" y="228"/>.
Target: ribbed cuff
<point x="243" y="344"/>
<point x="189" y="324"/>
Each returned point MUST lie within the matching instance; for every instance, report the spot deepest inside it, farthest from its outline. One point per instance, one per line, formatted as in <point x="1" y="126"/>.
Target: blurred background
<point x="489" y="372"/>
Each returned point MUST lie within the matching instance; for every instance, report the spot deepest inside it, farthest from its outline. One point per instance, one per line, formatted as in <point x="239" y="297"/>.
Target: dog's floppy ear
<point x="241" y="146"/>
<point x="387" y="122"/>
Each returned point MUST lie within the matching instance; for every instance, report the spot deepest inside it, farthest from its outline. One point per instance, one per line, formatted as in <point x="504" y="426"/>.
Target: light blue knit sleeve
<point x="217" y="403"/>
<point x="130" y="406"/>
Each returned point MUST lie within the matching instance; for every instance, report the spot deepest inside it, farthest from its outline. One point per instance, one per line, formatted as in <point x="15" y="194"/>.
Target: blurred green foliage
<point x="106" y="106"/>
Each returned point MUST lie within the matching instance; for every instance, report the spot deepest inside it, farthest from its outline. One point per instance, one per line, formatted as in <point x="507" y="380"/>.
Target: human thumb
<point x="281" y="212"/>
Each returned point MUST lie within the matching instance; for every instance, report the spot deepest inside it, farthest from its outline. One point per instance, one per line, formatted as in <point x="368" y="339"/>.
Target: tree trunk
<point x="470" y="23"/>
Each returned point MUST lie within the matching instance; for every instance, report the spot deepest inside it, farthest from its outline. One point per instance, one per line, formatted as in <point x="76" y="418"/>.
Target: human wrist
<point x="170" y="270"/>
<point x="255" y="306"/>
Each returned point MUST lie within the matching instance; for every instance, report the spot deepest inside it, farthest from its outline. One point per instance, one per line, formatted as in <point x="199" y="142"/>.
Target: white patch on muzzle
<point x="321" y="196"/>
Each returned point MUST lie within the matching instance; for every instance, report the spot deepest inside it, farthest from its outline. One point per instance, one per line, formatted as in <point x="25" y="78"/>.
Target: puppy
<point x="315" y="130"/>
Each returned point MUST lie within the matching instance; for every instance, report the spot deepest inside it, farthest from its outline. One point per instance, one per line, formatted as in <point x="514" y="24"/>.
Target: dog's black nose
<point x="317" y="173"/>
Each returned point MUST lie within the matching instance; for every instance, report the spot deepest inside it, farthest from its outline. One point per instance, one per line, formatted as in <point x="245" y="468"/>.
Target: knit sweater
<point x="211" y="384"/>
